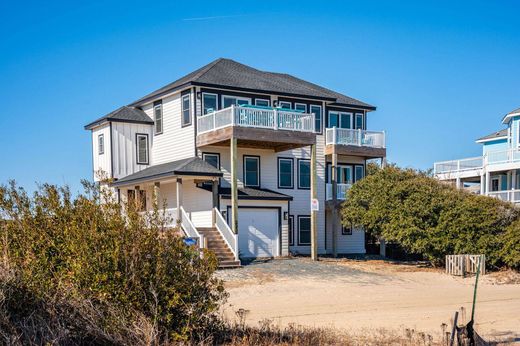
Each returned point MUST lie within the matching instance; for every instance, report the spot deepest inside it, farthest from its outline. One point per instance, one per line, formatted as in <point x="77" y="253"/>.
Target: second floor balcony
<point x="259" y="127"/>
<point x="355" y="142"/>
<point x="341" y="192"/>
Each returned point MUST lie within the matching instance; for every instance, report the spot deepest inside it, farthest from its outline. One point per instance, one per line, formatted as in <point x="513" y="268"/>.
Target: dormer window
<point x="142" y="149"/>
<point x="158" y="117"/>
<point x="101" y="144"/>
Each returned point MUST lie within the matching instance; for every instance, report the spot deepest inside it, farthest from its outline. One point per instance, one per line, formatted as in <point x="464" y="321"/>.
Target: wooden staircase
<point x="218" y="245"/>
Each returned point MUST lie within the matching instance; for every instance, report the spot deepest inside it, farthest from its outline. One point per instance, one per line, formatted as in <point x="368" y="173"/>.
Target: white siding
<point x="346" y="243"/>
<point x="101" y="162"/>
<point x="124" y="147"/>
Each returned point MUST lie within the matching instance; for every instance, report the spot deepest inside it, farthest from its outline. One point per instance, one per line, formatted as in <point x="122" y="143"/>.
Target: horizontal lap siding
<point x="101" y="163"/>
<point x="124" y="147"/>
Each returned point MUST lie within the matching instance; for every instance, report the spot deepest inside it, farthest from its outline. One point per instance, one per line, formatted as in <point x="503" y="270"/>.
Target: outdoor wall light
<point x="286" y="215"/>
<point x="199" y="95"/>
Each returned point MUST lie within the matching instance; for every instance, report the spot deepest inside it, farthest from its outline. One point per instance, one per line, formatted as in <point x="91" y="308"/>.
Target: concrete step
<point x="229" y="264"/>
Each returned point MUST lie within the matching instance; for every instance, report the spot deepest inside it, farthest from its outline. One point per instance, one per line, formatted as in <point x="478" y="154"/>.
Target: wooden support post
<point x="382" y="247"/>
<point x="179" y="199"/>
<point x="334" y="178"/>
<point x="314" y="214"/>
<point x="234" y="186"/>
<point x="454" y="328"/>
<point x="214" y="190"/>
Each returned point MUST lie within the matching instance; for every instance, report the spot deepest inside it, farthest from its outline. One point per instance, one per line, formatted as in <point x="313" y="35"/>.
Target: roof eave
<point x="365" y="107"/>
<point x="507" y="117"/>
<point x="484" y="140"/>
<point x="170" y="174"/>
<point x="101" y="121"/>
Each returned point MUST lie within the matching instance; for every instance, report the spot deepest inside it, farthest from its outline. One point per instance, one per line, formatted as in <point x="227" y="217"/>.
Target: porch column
<point x="482" y="184"/>
<point x="179" y="199"/>
<point x="155" y="197"/>
<point x="488" y="183"/>
<point x="457" y="183"/>
<point x="234" y="186"/>
<point x="333" y="179"/>
<point x="513" y="179"/>
<point x="383" y="162"/>
<point x="214" y="191"/>
<point x="314" y="214"/>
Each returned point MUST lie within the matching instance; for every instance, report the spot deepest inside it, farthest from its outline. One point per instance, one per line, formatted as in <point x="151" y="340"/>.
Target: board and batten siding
<point x="101" y="162"/>
<point x="124" y="147"/>
<point x="175" y="142"/>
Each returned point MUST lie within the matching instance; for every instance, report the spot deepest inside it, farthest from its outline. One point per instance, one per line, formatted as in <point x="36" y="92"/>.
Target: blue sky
<point x="440" y="73"/>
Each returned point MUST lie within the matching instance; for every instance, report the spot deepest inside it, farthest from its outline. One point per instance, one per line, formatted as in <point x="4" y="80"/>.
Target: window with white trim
<point x="262" y="102"/>
<point x="252" y="171"/>
<point x="228" y="101"/>
<point x="158" y="117"/>
<point x="285" y="173"/>
<point x="209" y="103"/>
<point x="359" y="121"/>
<point x="359" y="172"/>
<point x="212" y="159"/>
<point x="284" y="104"/>
<point x="304" y="230"/>
<point x="186" y="108"/>
<point x="302" y="107"/>
<point x="101" y="144"/>
<point x="142" y="149"/>
<point x="341" y="120"/>
<point x="346" y="230"/>
<point x="304" y="174"/>
<point x="316" y="110"/>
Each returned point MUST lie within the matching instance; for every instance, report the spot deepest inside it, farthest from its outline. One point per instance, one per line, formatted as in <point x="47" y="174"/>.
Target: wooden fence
<point x="465" y="264"/>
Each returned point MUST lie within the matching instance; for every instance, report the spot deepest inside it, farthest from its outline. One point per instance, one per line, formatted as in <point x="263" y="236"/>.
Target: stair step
<point x="229" y="264"/>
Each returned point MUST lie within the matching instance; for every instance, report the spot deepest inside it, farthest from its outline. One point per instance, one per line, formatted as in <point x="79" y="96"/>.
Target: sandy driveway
<point x="355" y="295"/>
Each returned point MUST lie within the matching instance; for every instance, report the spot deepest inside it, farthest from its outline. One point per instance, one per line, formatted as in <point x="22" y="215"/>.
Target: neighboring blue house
<point x="497" y="170"/>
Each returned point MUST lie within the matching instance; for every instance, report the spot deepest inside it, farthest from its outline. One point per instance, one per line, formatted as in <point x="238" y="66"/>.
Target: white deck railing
<point x="458" y="165"/>
<point x="361" y="138"/>
<point x="230" y="238"/>
<point x="341" y="193"/>
<point x="506" y="195"/>
<point x="189" y="228"/>
<point x="247" y="116"/>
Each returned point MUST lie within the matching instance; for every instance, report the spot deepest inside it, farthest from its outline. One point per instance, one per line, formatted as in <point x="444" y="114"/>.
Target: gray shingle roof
<point x="228" y="73"/>
<point x="189" y="166"/>
<point x="123" y="114"/>
<point x="516" y="111"/>
<point x="497" y="134"/>
<point x="254" y="193"/>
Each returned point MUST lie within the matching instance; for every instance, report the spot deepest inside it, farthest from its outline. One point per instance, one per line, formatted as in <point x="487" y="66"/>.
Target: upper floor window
<point x="302" y="107"/>
<point x="359" y="172"/>
<point x="285" y="105"/>
<point x="186" y="116"/>
<point x="101" y="144"/>
<point x="209" y="103"/>
<point x="304" y="174"/>
<point x="252" y="171"/>
<point x="262" y="102"/>
<point x="142" y="149"/>
<point x="158" y="115"/>
<point x="316" y="110"/>
<point x="212" y="159"/>
<point x="228" y="101"/>
<point x="341" y="120"/>
<point x="359" y="121"/>
<point x="285" y="173"/>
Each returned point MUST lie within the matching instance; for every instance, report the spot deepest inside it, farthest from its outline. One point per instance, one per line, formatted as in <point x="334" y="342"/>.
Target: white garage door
<point x="258" y="232"/>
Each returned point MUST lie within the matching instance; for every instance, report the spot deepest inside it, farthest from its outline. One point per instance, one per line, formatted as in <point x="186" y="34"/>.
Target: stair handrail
<point x="225" y="231"/>
<point x="189" y="228"/>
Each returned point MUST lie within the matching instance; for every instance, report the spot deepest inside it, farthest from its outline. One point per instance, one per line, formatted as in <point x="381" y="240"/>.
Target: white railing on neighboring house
<point x="458" y="165"/>
<point x="503" y="156"/>
<point x="341" y="193"/>
<point x="189" y="228"/>
<point x="358" y="137"/>
<point x="249" y="116"/>
<point x="230" y="238"/>
<point x="506" y="195"/>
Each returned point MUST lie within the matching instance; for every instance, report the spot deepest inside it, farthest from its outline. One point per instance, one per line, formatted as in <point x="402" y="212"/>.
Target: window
<point x="252" y="171"/>
<point x="262" y="102"/>
<point x="346" y="230"/>
<point x="209" y="103"/>
<point x="343" y="174"/>
<point x="140" y="203"/>
<point x="157" y="112"/>
<point x="285" y="105"/>
<point x="186" y="117"/>
<point x="142" y="148"/>
<point x="340" y="120"/>
<point x="212" y="159"/>
<point x="291" y="229"/>
<point x="304" y="230"/>
<point x="316" y="110"/>
<point x="101" y="144"/>
<point x="285" y="173"/>
<point x="228" y="101"/>
<point x="302" y="107"/>
<point x="495" y="183"/>
<point x="359" y="121"/>
<point x="304" y="174"/>
<point x="359" y="172"/>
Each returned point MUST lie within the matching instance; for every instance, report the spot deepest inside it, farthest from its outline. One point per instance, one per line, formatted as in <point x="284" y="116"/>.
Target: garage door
<point x="258" y="232"/>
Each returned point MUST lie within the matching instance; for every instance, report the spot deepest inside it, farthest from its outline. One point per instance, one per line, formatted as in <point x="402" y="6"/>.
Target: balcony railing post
<point x="276" y="120"/>
<point x="334" y="135"/>
<point x="233" y="121"/>
<point x="359" y="137"/>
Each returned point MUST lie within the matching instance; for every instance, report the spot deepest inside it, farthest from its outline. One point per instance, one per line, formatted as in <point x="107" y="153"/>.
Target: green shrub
<point x="112" y="268"/>
<point x="431" y="218"/>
